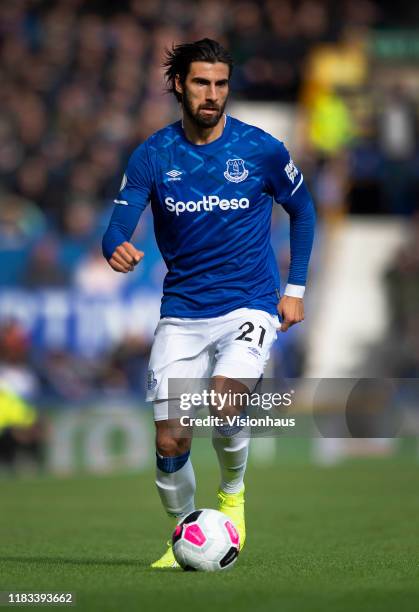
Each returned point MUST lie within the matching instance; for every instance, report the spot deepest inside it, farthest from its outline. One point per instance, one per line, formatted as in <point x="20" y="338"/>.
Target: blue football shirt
<point x="212" y="207"/>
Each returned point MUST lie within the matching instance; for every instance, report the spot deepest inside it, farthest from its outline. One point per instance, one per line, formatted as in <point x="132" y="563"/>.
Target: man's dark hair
<point x="180" y="57"/>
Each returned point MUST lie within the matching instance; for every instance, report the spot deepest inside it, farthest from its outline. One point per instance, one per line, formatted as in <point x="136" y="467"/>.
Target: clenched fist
<point x="291" y="310"/>
<point x="125" y="257"/>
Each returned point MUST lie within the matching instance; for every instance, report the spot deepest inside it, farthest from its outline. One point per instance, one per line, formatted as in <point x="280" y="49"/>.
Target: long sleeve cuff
<point x="296" y="291"/>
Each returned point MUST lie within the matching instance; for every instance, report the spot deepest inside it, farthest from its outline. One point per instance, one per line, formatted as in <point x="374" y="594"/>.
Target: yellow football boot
<point x="167" y="560"/>
<point x="232" y="504"/>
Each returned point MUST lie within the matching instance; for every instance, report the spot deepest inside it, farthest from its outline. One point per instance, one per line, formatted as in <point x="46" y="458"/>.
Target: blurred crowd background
<point x="81" y="85"/>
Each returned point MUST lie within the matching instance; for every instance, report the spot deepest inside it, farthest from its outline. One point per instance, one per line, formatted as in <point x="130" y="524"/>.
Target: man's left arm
<point x="286" y="183"/>
<point x="300" y="208"/>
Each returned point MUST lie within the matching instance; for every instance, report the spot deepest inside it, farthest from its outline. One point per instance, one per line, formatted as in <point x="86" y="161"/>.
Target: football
<point x="206" y="540"/>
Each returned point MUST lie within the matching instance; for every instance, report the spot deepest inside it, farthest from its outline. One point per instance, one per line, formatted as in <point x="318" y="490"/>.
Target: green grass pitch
<point x="342" y="538"/>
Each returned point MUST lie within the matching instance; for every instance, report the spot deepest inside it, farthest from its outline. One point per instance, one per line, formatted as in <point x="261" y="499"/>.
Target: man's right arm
<point x="133" y="198"/>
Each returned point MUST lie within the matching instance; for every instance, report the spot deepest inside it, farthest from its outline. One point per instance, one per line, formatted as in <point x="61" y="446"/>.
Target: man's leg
<point x="232" y="452"/>
<point x="178" y="352"/>
<point x="244" y="338"/>
<point x="175" y="478"/>
<point x="231" y="445"/>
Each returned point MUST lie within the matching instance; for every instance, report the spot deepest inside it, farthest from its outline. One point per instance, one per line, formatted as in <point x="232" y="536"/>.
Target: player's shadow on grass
<point x="76" y="561"/>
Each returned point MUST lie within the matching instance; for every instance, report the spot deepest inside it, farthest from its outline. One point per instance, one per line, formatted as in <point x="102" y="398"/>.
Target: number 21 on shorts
<point x="248" y="333"/>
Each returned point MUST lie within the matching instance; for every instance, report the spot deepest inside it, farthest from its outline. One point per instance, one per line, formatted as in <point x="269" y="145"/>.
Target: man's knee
<point x="169" y="447"/>
<point x="168" y="444"/>
<point x="235" y="394"/>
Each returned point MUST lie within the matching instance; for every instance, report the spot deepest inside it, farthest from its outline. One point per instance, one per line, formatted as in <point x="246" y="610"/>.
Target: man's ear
<point x="178" y="85"/>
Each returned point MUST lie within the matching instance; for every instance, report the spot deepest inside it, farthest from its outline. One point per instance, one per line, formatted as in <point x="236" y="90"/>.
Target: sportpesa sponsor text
<point x="208" y="203"/>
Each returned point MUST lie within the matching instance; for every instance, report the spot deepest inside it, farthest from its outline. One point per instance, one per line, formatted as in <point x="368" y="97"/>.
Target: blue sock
<point x="171" y="464"/>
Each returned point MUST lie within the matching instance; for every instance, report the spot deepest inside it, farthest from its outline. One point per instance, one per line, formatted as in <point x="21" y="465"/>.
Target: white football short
<point x="235" y="345"/>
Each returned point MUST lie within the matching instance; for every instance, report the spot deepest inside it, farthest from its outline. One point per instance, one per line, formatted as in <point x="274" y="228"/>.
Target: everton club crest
<point x="236" y="172"/>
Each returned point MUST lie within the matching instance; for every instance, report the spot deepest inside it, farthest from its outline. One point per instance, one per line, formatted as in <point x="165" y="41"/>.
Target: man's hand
<point x="125" y="257"/>
<point x="291" y="311"/>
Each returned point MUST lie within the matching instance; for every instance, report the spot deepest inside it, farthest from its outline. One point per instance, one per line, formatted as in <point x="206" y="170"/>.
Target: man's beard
<point x="199" y="119"/>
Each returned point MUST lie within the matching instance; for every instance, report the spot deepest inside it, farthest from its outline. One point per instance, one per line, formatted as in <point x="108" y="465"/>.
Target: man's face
<point x="205" y="92"/>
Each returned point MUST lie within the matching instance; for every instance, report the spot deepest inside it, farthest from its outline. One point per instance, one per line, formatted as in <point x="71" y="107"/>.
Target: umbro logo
<point x="174" y="175"/>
